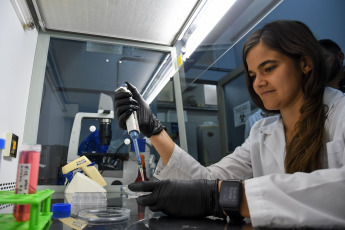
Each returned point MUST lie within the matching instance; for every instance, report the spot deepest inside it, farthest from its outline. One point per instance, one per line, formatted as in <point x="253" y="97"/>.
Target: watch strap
<point x="234" y="215"/>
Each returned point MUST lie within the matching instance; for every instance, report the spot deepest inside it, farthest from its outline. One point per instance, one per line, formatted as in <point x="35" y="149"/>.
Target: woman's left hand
<point x="196" y="198"/>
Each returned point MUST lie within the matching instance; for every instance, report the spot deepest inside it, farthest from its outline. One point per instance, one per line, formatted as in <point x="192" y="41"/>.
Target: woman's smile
<point x="267" y="93"/>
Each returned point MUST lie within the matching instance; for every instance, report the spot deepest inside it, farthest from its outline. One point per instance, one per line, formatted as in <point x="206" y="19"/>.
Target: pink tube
<point x="27" y="177"/>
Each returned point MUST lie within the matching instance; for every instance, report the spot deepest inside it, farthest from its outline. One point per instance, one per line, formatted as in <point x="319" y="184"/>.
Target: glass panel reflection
<point x="77" y="72"/>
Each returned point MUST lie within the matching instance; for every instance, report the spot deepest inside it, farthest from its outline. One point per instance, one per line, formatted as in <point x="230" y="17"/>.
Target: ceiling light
<point x="209" y="16"/>
<point x="23" y="14"/>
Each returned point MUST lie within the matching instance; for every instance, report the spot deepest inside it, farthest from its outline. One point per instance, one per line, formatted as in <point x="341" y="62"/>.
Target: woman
<point x="292" y="164"/>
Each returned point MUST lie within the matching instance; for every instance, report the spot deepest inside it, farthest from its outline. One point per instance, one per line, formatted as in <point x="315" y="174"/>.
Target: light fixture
<point x="159" y="80"/>
<point x="191" y="20"/>
<point x="159" y="87"/>
<point x="207" y="19"/>
<point x="23" y="13"/>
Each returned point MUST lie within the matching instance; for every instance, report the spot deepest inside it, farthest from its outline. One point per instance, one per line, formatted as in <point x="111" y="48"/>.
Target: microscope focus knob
<point x="92" y="128"/>
<point x="127" y="141"/>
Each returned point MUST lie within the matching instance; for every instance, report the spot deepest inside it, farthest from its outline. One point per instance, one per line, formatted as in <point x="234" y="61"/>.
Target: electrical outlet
<point x="11" y="145"/>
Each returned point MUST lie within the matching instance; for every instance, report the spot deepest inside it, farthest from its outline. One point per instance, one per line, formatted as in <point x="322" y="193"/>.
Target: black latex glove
<point x="196" y="198"/>
<point x="126" y="103"/>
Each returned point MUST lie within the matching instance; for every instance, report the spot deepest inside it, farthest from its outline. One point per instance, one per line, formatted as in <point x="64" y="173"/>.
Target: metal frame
<point x="221" y="107"/>
<point x="38" y="75"/>
<point x="36" y="88"/>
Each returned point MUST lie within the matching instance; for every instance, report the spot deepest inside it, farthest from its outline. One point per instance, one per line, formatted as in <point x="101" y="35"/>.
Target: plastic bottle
<point x="141" y="209"/>
<point x="27" y="177"/>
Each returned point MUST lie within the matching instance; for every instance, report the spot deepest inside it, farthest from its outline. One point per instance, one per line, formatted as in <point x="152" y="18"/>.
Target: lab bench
<point x="135" y="221"/>
<point x="152" y="220"/>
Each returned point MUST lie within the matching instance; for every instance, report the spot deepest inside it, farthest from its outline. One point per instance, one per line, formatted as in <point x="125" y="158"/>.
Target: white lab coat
<point x="277" y="199"/>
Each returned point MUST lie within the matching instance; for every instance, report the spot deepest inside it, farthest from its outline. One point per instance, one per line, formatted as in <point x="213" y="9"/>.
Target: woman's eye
<point x="252" y="77"/>
<point x="269" y="68"/>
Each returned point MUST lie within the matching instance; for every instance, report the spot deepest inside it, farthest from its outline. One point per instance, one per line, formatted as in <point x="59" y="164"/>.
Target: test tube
<point x="27" y="177"/>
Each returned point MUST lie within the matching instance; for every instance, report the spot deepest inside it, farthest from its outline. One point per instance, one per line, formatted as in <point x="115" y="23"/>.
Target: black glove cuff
<point x="158" y="127"/>
<point x="158" y="130"/>
<point x="217" y="211"/>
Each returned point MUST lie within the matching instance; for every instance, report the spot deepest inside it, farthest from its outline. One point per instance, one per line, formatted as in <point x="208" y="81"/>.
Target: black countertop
<point x="148" y="220"/>
<point x="167" y="223"/>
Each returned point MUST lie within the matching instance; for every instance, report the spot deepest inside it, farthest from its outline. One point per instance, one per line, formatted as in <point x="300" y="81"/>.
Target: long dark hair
<point x="304" y="153"/>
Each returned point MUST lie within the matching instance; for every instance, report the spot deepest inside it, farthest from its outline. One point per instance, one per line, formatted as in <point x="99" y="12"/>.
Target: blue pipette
<point x="134" y="136"/>
<point x="133" y="131"/>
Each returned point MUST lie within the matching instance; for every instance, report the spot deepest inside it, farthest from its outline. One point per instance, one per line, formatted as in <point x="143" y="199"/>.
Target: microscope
<point x="105" y="115"/>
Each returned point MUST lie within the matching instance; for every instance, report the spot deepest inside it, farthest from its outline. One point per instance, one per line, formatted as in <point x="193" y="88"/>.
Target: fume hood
<point x="92" y="47"/>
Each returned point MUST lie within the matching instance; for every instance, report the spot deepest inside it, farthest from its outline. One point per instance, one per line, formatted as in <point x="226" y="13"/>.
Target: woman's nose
<point x="259" y="81"/>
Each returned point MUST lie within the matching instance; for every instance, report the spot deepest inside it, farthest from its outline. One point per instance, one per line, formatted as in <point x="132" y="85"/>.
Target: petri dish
<point x="104" y="216"/>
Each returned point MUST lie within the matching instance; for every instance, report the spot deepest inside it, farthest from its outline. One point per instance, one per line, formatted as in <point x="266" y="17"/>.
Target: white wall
<point x="17" y="50"/>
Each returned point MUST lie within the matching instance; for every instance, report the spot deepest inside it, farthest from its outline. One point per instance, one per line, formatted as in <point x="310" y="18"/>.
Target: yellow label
<point x="179" y="60"/>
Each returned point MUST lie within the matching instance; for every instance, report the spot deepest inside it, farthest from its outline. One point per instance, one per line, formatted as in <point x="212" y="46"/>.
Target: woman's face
<point x="277" y="78"/>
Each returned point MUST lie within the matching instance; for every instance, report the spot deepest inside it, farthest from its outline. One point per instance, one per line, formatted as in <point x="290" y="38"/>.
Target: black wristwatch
<point x="230" y="197"/>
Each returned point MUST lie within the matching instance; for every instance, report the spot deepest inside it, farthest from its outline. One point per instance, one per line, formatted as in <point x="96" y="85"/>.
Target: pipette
<point x="133" y="131"/>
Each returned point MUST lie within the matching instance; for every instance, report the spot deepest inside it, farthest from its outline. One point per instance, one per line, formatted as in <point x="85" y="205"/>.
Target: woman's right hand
<point x="128" y="102"/>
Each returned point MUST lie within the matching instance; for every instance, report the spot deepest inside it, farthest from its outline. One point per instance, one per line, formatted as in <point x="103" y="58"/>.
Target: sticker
<point x="241" y="113"/>
<point x="180" y="60"/>
<point x="74" y="223"/>
<point x="23" y="178"/>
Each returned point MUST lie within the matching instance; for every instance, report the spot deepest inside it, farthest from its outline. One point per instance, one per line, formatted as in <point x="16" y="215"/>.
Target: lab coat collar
<point x="268" y="126"/>
<point x="274" y="139"/>
<point x="330" y="97"/>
